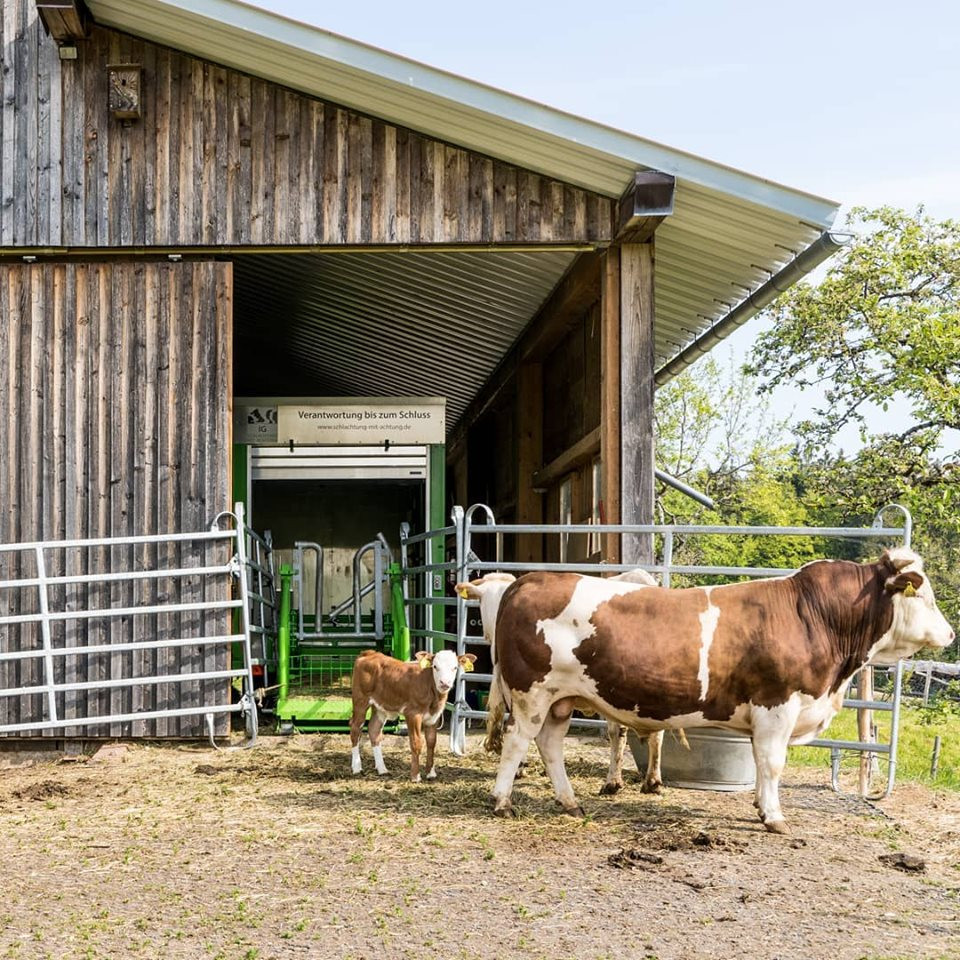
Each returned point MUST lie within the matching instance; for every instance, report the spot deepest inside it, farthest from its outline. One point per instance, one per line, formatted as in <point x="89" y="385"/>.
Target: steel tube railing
<point x="122" y="682"/>
<point x="120" y="647"/>
<point x="116" y="577"/>
<point x="80" y="722"/>
<point x="117" y="550"/>
<point x="114" y="612"/>
<point x="201" y="535"/>
<point x="859" y="533"/>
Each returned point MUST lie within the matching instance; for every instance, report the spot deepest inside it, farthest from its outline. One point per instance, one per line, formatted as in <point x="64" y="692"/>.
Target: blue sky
<point x="851" y="100"/>
<point x="854" y="101"/>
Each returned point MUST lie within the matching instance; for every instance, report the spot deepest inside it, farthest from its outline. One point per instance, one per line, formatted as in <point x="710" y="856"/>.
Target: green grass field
<point x="915" y="749"/>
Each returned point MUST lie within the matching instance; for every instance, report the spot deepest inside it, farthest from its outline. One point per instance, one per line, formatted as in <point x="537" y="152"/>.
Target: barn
<point x="243" y="259"/>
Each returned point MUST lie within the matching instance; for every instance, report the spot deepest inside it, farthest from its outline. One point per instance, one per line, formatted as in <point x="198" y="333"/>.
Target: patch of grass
<point x="917" y="731"/>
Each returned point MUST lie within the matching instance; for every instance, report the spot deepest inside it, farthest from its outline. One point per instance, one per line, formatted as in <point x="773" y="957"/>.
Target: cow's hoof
<point x="507" y="813"/>
<point x="777" y="826"/>
<point x="415" y="779"/>
<point x="383" y="773"/>
<point x="610" y="788"/>
<point x="651" y="786"/>
<point x="576" y="811"/>
<point x="432" y="775"/>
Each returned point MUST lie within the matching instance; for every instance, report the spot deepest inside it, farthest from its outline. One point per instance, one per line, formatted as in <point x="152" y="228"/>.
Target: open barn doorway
<point x="387" y="349"/>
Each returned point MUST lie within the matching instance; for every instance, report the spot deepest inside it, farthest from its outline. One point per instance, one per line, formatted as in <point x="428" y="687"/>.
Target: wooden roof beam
<point x="644" y="205"/>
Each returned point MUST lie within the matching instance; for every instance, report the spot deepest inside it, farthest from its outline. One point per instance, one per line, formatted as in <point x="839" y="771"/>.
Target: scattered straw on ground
<point x="277" y="852"/>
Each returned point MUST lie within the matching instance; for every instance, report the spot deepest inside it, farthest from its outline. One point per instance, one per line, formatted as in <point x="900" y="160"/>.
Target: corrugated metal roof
<point x="383" y="323"/>
<point x="730" y="231"/>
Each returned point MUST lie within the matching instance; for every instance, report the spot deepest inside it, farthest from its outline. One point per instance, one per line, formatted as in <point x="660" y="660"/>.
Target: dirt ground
<point x="277" y="852"/>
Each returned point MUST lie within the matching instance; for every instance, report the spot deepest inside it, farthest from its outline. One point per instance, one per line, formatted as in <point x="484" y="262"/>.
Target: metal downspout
<point x="827" y="244"/>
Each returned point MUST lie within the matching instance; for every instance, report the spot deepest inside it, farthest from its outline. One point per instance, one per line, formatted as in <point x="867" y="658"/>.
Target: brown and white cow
<point x="489" y="590"/>
<point x="770" y="658"/>
<point x="416" y="689"/>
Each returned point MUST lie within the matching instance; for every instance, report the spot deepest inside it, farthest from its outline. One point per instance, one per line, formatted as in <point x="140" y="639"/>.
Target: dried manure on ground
<point x="178" y="851"/>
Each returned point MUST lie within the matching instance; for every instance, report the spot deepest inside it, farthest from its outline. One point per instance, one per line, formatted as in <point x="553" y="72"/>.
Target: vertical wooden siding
<point x="114" y="397"/>
<point x="221" y="158"/>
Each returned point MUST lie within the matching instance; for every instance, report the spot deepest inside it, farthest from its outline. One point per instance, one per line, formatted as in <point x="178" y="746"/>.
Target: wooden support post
<point x="636" y="396"/>
<point x="610" y="398"/>
<point x="529" y="458"/>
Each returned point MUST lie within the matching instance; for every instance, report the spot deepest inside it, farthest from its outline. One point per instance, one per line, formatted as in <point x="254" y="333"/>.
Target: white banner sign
<point x="358" y="420"/>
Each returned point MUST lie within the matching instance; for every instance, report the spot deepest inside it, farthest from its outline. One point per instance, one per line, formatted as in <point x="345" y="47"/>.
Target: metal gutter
<point x="824" y="247"/>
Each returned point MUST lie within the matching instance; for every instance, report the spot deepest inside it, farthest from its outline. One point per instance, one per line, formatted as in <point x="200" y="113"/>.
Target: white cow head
<point x="917" y="620"/>
<point x="489" y="590"/>
<point x="445" y="664"/>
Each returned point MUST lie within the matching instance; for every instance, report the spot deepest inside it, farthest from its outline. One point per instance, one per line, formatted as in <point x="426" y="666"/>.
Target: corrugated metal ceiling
<point x="384" y="324"/>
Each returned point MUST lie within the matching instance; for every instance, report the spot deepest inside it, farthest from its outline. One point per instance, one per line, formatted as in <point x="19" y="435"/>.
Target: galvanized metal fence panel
<point x="469" y="564"/>
<point x="423" y="587"/>
<point x="133" y="637"/>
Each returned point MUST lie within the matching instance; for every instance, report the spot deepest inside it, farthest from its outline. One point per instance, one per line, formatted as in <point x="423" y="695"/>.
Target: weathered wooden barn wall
<point x="537" y="422"/>
<point x="221" y="158"/>
<point x="114" y="421"/>
<point x="571" y="381"/>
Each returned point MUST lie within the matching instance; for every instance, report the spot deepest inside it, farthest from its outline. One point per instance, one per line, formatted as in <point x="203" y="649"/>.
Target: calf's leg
<point x="414" y="725"/>
<point x="550" y="744"/>
<point x="430" y="734"/>
<point x="356" y="729"/>
<point x="375" y="730"/>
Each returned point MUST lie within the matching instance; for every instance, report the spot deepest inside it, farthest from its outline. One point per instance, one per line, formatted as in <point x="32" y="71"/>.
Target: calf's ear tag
<point x="909" y="590"/>
<point x="467" y="666"/>
<point x="464" y="594"/>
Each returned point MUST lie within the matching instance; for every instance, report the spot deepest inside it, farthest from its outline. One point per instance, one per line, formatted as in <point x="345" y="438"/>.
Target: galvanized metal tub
<point x="718" y="759"/>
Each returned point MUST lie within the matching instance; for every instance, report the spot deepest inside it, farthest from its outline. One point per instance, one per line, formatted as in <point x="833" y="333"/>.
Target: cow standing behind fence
<point x="769" y="658"/>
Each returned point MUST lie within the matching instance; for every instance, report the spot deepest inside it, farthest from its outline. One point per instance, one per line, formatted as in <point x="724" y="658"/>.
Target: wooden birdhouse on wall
<point x="125" y="90"/>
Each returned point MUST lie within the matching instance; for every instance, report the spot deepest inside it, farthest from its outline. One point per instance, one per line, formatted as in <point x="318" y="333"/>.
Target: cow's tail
<point x="496" y="710"/>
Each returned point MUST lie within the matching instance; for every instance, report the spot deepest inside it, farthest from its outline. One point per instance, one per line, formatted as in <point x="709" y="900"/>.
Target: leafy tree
<point x="879" y="339"/>
<point x="881" y="331"/>
<point x="715" y="433"/>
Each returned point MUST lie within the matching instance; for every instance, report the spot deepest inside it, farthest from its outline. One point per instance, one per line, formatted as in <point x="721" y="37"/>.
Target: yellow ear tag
<point x="909" y="590"/>
<point x="464" y="594"/>
<point x="467" y="666"/>
<point x="425" y="663"/>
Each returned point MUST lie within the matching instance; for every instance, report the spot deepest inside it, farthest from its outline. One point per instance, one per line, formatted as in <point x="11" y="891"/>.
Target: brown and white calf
<point x="417" y="690"/>
<point x="489" y="590"/>
<point x="770" y="658"/>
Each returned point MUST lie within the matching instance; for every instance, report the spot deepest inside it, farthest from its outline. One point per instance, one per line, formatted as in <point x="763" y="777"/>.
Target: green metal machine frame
<point x="312" y="676"/>
<point x="314" y="681"/>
